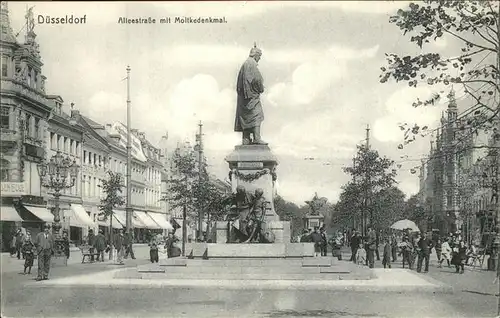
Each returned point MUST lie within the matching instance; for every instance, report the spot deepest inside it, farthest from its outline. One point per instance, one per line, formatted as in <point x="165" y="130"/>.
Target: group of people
<point x="413" y="247"/>
<point x="170" y="247"/>
<point x="318" y="237"/>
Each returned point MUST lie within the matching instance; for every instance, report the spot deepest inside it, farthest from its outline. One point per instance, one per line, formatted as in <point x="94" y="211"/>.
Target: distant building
<point x="450" y="188"/>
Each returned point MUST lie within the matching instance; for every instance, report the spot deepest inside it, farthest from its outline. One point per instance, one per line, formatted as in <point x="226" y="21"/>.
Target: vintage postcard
<point x="250" y="158"/>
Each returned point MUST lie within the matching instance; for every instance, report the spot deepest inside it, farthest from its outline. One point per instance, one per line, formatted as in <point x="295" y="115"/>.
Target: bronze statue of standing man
<point x="249" y="113"/>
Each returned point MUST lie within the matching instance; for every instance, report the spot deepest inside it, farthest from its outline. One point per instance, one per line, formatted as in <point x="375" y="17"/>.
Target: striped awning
<point x="42" y="213"/>
<point x="147" y="221"/>
<point x="161" y="220"/>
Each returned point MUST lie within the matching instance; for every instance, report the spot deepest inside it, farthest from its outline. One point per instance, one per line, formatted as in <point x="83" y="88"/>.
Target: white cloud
<point x="400" y="110"/>
<point x="315" y="75"/>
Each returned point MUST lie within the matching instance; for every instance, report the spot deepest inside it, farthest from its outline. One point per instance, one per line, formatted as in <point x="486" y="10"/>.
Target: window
<point x="29" y="76"/>
<point x="37" y="127"/>
<point x="52" y="141"/>
<point x="58" y="142"/>
<point x="95" y="159"/>
<point x="77" y="148"/>
<point x="4" y="66"/>
<point x="4" y="170"/>
<point x="5" y="117"/>
<point x="27" y="125"/>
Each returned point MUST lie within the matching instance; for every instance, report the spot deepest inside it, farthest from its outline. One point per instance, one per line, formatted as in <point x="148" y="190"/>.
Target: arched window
<point x="4" y="170"/>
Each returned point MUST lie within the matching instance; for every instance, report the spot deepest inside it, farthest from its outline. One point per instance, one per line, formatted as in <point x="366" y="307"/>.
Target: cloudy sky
<point x="321" y="63"/>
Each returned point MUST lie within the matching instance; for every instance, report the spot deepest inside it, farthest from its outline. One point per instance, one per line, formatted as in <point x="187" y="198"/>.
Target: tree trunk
<point x="111" y="237"/>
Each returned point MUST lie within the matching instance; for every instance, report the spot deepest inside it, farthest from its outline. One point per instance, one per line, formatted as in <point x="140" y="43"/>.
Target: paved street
<point x="21" y="297"/>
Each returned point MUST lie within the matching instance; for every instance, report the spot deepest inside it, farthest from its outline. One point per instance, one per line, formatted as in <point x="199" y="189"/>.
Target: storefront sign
<point x="13" y="189"/>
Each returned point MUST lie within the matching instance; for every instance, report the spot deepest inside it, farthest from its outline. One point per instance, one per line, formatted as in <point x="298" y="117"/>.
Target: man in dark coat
<point x="324" y="241"/>
<point x="249" y="86"/>
<point x="317" y="240"/>
<point x="44" y="243"/>
<point x="100" y="245"/>
<point x="371" y="246"/>
<point x="19" y="243"/>
<point x="355" y="241"/>
<point x="91" y="243"/>
<point x="129" y="241"/>
<point x="425" y="246"/>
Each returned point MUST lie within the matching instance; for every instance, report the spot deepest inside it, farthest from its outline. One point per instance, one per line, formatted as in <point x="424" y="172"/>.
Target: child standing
<point x="386" y="260"/>
<point x="28" y="249"/>
<point x="361" y="255"/>
<point x="153" y="250"/>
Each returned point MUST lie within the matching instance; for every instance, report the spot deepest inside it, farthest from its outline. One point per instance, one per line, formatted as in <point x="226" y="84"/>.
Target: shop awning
<point x="120" y="217"/>
<point x="116" y="224"/>
<point x="9" y="213"/>
<point x="42" y="213"/>
<point x="137" y="222"/>
<point x="149" y="222"/>
<point x="161" y="220"/>
<point x="79" y="217"/>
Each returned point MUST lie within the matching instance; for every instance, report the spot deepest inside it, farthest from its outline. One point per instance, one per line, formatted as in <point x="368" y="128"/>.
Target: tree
<point x="370" y="189"/>
<point x="112" y="188"/>
<point x="475" y="25"/>
<point x="191" y="188"/>
<point x="289" y="211"/>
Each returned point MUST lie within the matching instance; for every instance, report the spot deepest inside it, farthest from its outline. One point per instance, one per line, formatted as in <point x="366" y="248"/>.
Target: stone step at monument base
<point x="248" y="270"/>
<point x="255" y="276"/>
<point x="251" y="269"/>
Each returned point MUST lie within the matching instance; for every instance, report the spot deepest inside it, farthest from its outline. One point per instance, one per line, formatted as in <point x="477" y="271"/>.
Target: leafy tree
<point x="418" y="213"/>
<point x="388" y="207"/>
<point x="475" y="26"/>
<point x="191" y="187"/>
<point x="370" y="189"/>
<point x="289" y="211"/>
<point x="112" y="188"/>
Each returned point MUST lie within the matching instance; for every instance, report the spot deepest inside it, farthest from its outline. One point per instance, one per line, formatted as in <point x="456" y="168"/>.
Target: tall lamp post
<point x="57" y="174"/>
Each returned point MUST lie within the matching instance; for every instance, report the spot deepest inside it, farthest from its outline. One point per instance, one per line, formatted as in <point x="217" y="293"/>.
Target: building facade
<point x="451" y="186"/>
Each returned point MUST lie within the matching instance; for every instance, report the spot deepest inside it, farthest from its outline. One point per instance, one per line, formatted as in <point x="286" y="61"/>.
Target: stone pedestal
<point x="311" y="221"/>
<point x="254" y="166"/>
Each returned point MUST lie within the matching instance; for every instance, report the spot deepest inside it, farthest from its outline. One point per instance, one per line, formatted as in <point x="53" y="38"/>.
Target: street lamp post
<point x="57" y="174"/>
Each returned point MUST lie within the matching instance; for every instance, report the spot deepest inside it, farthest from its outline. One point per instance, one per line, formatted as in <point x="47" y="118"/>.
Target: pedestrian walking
<point x="386" y="257"/>
<point x="13" y="244"/>
<point x="100" y="245"/>
<point x="29" y="253"/>
<point x="459" y="257"/>
<point x="91" y="244"/>
<point x="44" y="243"/>
<point x="371" y="246"/>
<point x="324" y="242"/>
<point x="407" y="251"/>
<point x="19" y="243"/>
<point x="119" y="244"/>
<point x="65" y="240"/>
<point x="355" y="241"/>
<point x="445" y="253"/>
<point x="153" y="250"/>
<point x="438" y="249"/>
<point x="305" y="237"/>
<point x="317" y="240"/>
<point x="425" y="246"/>
<point x="129" y="240"/>
<point x="394" y="248"/>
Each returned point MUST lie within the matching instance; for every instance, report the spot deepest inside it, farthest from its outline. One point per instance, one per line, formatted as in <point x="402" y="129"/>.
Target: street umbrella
<point x="405" y="224"/>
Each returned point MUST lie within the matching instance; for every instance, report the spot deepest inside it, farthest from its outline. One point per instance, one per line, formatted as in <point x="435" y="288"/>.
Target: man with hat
<point x="249" y="113"/>
<point x="44" y="243"/>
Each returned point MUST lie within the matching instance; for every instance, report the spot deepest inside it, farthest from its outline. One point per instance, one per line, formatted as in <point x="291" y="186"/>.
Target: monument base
<point x="256" y="250"/>
<point x="280" y="229"/>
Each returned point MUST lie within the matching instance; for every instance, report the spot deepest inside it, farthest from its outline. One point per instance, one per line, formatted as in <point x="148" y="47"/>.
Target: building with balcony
<point x="24" y="114"/>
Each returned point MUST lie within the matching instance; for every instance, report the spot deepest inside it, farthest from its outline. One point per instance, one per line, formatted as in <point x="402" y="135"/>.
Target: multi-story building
<point x="450" y="182"/>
